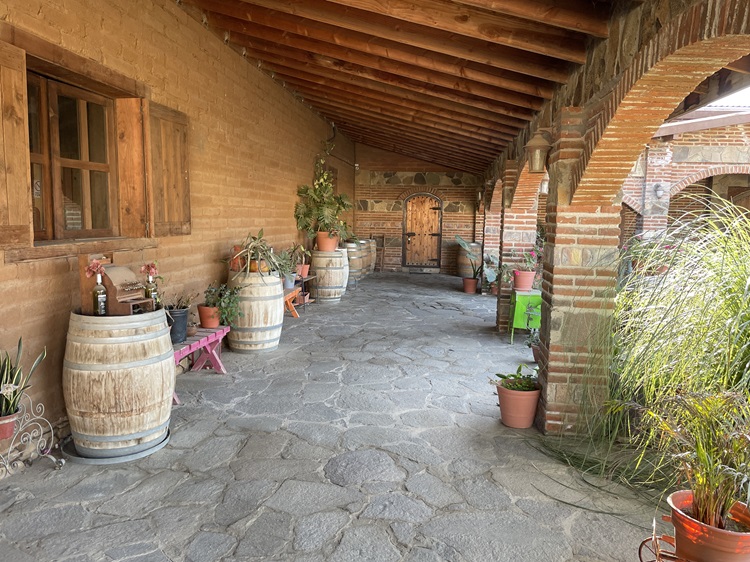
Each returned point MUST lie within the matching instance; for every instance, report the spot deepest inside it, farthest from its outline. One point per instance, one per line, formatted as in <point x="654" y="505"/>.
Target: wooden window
<point x="170" y="186"/>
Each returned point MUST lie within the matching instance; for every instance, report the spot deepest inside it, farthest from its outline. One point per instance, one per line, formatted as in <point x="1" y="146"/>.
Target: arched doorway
<point x="423" y="232"/>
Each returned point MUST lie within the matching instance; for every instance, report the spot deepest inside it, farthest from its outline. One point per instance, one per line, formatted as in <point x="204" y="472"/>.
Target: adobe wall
<point x="251" y="143"/>
<point x="385" y="179"/>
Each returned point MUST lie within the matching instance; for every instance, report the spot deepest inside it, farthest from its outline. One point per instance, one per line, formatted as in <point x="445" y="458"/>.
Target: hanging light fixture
<point x="536" y="151"/>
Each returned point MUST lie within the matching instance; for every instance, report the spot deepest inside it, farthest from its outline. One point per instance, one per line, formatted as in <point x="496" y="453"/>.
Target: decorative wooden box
<point x="124" y="292"/>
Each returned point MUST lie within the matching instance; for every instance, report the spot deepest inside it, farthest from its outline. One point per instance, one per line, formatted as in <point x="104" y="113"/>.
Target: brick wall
<point x="251" y="143"/>
<point x="385" y="179"/>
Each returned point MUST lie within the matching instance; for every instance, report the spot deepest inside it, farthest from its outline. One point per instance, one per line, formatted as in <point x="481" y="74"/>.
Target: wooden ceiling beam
<point x="575" y="15"/>
<point x="544" y="67"/>
<point x="288" y="57"/>
<point x="451" y="161"/>
<point x="450" y="139"/>
<point x="229" y="17"/>
<point x="314" y="95"/>
<point x="316" y="83"/>
<point x="376" y="88"/>
<point x="529" y="35"/>
<point x="363" y="60"/>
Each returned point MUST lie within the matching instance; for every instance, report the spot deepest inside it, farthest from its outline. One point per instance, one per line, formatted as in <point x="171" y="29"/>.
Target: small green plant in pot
<point x="13" y="383"/>
<point x="470" y="283"/>
<point x="177" y="307"/>
<point x="518" y="395"/>
<point x="286" y="267"/>
<point x="254" y="254"/>
<point x="221" y="306"/>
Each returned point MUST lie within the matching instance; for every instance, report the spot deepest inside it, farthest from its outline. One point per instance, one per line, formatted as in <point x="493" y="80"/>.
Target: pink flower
<point x="94" y="268"/>
<point x="150" y="269"/>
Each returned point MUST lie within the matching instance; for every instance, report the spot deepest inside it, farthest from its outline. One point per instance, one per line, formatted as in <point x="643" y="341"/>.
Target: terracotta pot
<point x="523" y="280"/>
<point x="470" y="284"/>
<point x="236" y="264"/>
<point x="8" y="425"/>
<point x="327" y="243"/>
<point x="209" y="316"/>
<point x="698" y="542"/>
<point x="493" y="288"/>
<point x="303" y="270"/>
<point x="517" y="407"/>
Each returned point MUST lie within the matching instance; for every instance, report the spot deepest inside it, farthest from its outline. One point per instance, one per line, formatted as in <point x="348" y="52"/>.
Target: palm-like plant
<point x="256" y="249"/>
<point x="319" y="207"/>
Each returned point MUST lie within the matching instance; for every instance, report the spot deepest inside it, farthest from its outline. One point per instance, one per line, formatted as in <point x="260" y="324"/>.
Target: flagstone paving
<point x="370" y="434"/>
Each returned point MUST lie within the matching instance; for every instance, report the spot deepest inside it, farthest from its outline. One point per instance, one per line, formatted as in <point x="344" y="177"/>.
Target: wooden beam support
<point x="545" y="67"/>
<point x="229" y="18"/>
<point x="340" y="55"/>
<point x="525" y="34"/>
<point x="575" y="15"/>
<point x="376" y="81"/>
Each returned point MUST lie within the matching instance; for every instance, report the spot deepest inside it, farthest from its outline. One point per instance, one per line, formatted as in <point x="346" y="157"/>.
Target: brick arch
<point x="683" y="53"/>
<point x="707" y="173"/>
<point x="631" y="202"/>
<point x="421" y="190"/>
<point x="525" y="195"/>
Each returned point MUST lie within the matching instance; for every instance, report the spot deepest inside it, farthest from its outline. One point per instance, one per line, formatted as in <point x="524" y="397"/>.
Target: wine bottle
<point x="99" y="295"/>
<point x="152" y="291"/>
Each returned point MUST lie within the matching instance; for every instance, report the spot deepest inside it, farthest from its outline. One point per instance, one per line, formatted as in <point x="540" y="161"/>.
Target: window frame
<point x="42" y="159"/>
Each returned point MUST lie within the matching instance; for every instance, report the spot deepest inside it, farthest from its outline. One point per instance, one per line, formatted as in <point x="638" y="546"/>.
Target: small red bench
<point x="206" y="342"/>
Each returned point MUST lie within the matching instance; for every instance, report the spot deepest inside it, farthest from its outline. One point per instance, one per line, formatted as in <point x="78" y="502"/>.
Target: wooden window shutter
<point x="16" y="227"/>
<point x="131" y="168"/>
<point x="169" y="180"/>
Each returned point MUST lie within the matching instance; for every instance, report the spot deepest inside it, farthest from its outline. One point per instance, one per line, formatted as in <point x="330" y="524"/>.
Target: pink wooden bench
<point x="207" y="342"/>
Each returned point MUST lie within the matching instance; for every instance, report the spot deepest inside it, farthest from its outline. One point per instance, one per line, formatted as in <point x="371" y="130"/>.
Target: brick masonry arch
<point x="683" y="53"/>
<point x="707" y="172"/>
<point x="404" y="195"/>
<point x="631" y="202"/>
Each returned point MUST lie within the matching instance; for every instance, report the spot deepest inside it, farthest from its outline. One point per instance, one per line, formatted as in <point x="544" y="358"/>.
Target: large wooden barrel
<point x="463" y="263"/>
<point x="329" y="271"/>
<point x="345" y="254"/>
<point x="262" y="305"/>
<point x="366" y="257"/>
<point x="372" y="247"/>
<point x="354" y="253"/>
<point x="118" y="379"/>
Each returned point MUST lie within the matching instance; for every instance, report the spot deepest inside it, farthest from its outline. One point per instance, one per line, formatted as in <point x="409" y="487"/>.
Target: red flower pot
<point x="327" y="243"/>
<point x="8" y="425"/>
<point x="523" y="280"/>
<point x="470" y="285"/>
<point x="209" y="316"/>
<point x="517" y="407"/>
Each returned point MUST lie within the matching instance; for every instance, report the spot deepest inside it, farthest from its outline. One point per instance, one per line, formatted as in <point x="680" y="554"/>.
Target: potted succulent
<point x="13" y="383"/>
<point x="221" y="306"/>
<point x="299" y="254"/>
<point x="254" y="254"/>
<point x="517" y="394"/>
<point x="706" y="435"/>
<point x="178" y="308"/>
<point x="470" y="283"/>
<point x="319" y="208"/>
<point x="287" y="268"/>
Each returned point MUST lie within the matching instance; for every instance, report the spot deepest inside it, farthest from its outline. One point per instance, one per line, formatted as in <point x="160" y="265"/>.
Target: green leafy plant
<point x="298" y="253"/>
<point x="533" y="338"/>
<point x="319" y="207"/>
<point x="474" y="260"/>
<point x="226" y="299"/>
<point x="256" y="250"/>
<point x="13" y="382"/>
<point x="529" y="260"/>
<point x="519" y="380"/>
<point x="285" y="263"/>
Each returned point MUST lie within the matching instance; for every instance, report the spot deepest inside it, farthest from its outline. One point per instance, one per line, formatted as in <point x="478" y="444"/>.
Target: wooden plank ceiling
<point x="447" y="81"/>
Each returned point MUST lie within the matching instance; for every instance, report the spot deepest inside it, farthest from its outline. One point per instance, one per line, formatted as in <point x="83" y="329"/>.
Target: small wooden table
<point x="207" y="341"/>
<point x="289" y="296"/>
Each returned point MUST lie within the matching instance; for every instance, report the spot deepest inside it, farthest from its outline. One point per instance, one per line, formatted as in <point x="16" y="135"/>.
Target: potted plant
<point x="13" y="383"/>
<point x="253" y="254"/>
<point x="533" y="342"/>
<point x="517" y="394"/>
<point x="221" y="306"/>
<point x="525" y="273"/>
<point x="177" y="308"/>
<point x="706" y="435"/>
<point x="470" y="283"/>
<point x="286" y="268"/>
<point x="319" y="208"/>
<point x="299" y="254"/>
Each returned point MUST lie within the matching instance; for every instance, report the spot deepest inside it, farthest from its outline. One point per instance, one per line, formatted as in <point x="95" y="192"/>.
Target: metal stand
<point x="30" y="439"/>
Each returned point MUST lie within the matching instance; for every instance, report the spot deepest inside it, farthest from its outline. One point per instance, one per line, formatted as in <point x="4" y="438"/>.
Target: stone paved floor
<point x="371" y="434"/>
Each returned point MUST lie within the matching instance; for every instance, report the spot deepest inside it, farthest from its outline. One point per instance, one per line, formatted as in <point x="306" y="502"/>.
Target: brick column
<point x="579" y="278"/>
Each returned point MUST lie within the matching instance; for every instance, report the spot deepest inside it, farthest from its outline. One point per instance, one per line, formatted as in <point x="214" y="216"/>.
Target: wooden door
<point x="422" y="231"/>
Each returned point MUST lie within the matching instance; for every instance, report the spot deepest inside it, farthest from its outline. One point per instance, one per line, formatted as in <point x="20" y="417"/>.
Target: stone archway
<point x="596" y="148"/>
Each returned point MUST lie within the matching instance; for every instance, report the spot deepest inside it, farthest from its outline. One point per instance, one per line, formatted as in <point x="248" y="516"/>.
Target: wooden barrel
<point x="118" y="380"/>
<point x="329" y="272"/>
<point x="366" y="257"/>
<point x="345" y="254"/>
<point x="372" y="247"/>
<point x="262" y="306"/>
<point x="354" y="252"/>
<point x="463" y="263"/>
